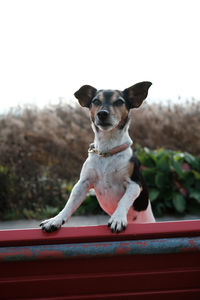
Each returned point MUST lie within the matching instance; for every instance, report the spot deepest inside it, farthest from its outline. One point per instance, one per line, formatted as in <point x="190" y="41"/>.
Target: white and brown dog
<point x="111" y="168"/>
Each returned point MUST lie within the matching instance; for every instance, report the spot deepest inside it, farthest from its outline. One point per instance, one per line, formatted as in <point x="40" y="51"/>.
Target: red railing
<point x="147" y="261"/>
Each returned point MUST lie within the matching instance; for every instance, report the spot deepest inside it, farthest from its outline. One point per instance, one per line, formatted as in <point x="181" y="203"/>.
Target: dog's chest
<point x="111" y="173"/>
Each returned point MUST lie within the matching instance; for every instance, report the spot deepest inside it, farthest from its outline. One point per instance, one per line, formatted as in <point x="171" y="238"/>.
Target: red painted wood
<point x="149" y="277"/>
<point x="133" y="275"/>
<point x="99" y="233"/>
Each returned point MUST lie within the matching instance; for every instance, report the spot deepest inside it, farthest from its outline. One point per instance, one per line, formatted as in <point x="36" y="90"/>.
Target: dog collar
<point x="111" y="152"/>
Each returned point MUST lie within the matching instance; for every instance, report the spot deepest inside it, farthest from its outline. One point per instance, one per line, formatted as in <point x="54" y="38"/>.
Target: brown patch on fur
<point x="93" y="111"/>
<point x="122" y="112"/>
<point x="130" y="168"/>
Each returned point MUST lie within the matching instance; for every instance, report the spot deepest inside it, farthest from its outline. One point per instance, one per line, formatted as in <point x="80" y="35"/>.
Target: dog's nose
<point x="102" y="114"/>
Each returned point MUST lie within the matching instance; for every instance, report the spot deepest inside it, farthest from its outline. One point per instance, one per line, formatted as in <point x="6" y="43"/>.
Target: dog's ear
<point x="85" y="94"/>
<point x="135" y="94"/>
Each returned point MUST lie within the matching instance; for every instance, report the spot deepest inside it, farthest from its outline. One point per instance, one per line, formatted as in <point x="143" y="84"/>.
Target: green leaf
<point x="178" y="156"/>
<point x="159" y="209"/>
<point x="195" y="195"/>
<point x="177" y="167"/>
<point x="197" y="186"/>
<point x="191" y="160"/>
<point x="179" y="202"/>
<point x="161" y="180"/>
<point x="149" y="176"/>
<point x="189" y="179"/>
<point x="189" y="157"/>
<point x="168" y="203"/>
<point x="153" y="194"/>
<point x="146" y="159"/>
<point x="194" y="207"/>
<point x="163" y="163"/>
<point x="196" y="174"/>
<point x="160" y="152"/>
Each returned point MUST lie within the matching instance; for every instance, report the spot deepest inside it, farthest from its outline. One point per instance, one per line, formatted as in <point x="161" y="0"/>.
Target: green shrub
<point x="173" y="178"/>
<point x="37" y="196"/>
<point x="4" y="187"/>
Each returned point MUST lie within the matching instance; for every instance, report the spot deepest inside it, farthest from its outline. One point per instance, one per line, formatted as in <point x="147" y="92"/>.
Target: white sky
<point x="49" y="48"/>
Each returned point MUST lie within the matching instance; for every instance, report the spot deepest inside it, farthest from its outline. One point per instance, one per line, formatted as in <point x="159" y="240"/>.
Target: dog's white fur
<point x="109" y="176"/>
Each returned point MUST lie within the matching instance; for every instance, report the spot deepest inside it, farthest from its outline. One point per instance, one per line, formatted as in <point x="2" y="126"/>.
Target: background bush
<point x="42" y="152"/>
<point x="173" y="178"/>
<point x="175" y="127"/>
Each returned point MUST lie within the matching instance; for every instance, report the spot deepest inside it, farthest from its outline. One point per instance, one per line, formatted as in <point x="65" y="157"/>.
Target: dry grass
<point x="174" y="127"/>
<point x="58" y="137"/>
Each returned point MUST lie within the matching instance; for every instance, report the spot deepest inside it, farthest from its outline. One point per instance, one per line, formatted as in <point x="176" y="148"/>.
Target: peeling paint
<point x="86" y="250"/>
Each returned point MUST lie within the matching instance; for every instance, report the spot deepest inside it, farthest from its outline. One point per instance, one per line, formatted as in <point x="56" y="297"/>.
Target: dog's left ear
<point x="135" y="94"/>
<point x="85" y="94"/>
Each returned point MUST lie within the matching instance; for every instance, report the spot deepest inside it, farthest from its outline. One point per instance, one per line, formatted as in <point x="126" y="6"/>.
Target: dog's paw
<point x="52" y="224"/>
<point x="117" y="222"/>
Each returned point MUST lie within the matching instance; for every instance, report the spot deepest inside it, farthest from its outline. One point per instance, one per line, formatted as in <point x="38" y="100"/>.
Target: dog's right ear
<point x="85" y="94"/>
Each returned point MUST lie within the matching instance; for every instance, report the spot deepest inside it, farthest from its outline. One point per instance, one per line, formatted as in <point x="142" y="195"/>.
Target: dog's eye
<point x="118" y="102"/>
<point x="96" y="102"/>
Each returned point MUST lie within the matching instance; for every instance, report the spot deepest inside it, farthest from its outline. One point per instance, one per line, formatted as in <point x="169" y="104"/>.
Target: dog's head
<point x="109" y="108"/>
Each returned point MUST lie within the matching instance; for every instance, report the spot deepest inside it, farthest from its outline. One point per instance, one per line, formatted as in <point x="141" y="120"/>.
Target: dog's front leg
<point x="77" y="196"/>
<point x="118" y="220"/>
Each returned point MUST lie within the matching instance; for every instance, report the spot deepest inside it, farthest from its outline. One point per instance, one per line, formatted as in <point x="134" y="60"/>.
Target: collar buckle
<point x="111" y="152"/>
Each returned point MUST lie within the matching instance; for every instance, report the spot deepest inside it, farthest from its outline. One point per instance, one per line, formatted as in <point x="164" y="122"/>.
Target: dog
<point x="112" y="168"/>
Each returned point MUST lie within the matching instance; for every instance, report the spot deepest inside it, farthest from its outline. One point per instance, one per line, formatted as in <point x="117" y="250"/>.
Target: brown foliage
<point x="174" y="127"/>
<point x="58" y="137"/>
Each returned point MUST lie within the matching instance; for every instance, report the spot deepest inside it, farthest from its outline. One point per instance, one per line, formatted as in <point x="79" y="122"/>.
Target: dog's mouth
<point x="104" y="125"/>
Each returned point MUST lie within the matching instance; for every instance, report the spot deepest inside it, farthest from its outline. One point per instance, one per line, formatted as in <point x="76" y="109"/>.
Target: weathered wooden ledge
<point x="146" y="261"/>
